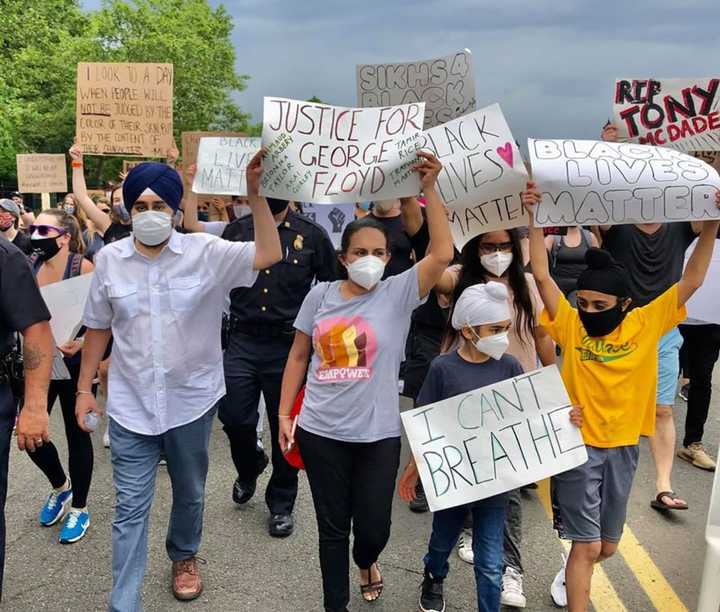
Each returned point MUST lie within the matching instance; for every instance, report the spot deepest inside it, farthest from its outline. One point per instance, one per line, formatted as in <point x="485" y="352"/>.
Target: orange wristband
<point x="76" y="164"/>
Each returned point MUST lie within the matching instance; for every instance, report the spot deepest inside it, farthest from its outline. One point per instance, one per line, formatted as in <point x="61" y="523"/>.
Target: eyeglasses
<point x="44" y="230"/>
<point x="503" y="247"/>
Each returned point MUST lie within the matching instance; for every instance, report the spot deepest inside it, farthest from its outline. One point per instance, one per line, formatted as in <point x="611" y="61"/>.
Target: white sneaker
<point x="558" y="591"/>
<point x="464" y="549"/>
<point x="106" y="437"/>
<point x="512" y="589"/>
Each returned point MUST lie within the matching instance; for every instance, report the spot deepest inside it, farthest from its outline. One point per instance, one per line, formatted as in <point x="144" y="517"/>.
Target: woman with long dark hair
<point x="497" y="256"/>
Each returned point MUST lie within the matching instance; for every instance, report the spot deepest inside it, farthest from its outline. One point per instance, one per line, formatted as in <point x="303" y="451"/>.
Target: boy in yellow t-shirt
<point x="610" y="370"/>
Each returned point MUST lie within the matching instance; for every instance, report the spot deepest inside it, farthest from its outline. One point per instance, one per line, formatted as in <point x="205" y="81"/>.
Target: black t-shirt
<point x="400" y="246"/>
<point x="21" y="304"/>
<point x="116" y="231"/>
<point x="22" y="241"/>
<point x="654" y="262"/>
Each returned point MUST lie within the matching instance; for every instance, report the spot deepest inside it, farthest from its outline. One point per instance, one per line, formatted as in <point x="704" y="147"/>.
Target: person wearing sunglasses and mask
<point x="161" y="295"/>
<point x="58" y="255"/>
<point x="349" y="428"/>
<point x="481" y="318"/>
<point x="9" y="226"/>
<point x="609" y="368"/>
<point x="497" y="256"/>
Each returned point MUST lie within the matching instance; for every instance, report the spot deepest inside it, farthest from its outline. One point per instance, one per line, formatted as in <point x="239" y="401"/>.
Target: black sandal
<point x="659" y="504"/>
<point x="372" y="587"/>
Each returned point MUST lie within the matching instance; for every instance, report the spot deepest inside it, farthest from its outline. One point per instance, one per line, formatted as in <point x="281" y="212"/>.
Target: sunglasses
<point x="44" y="230"/>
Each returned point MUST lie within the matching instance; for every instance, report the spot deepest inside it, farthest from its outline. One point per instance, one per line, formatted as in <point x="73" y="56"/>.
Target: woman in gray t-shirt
<point x="349" y="426"/>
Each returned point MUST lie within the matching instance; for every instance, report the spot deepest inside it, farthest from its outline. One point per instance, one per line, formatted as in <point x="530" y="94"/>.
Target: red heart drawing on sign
<point x="506" y="153"/>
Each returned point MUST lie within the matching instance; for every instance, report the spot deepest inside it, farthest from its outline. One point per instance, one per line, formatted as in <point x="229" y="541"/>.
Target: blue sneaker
<point x="76" y="524"/>
<point x="55" y="507"/>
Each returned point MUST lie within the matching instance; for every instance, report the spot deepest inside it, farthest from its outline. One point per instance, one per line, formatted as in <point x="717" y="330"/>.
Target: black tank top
<point x="567" y="263"/>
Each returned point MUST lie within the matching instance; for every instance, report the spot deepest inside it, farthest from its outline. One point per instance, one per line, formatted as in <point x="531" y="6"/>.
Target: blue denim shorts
<point x="668" y="367"/>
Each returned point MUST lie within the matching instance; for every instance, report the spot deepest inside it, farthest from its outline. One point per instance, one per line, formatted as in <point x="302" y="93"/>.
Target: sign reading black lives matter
<point x="495" y="439"/>
<point x="125" y="109"/>
<point x="678" y="113"/>
<point x="332" y="155"/>
<point x="222" y="163"/>
<point x="585" y="182"/>
<point x="445" y="84"/>
<point x="483" y="173"/>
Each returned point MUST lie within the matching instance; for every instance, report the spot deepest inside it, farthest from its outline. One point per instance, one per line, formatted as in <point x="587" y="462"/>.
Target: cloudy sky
<point x="550" y="64"/>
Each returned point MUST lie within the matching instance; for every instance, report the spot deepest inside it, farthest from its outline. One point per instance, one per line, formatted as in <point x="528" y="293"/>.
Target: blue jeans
<point x="135" y="460"/>
<point x="488" y="517"/>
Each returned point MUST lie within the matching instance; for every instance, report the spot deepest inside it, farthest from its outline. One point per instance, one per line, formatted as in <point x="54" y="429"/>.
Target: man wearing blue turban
<point x="160" y="294"/>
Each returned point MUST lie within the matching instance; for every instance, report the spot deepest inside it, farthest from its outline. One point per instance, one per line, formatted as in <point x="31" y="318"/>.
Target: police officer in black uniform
<point x="23" y="310"/>
<point x="260" y="335"/>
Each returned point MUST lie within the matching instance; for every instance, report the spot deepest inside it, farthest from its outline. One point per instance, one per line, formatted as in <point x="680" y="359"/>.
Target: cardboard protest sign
<point x="129" y="165"/>
<point x="41" y="173"/>
<point x="703" y="305"/>
<point x="125" y="109"/>
<point x="585" y="182"/>
<point x="66" y="300"/>
<point x="678" y="113"/>
<point x="445" y="84"/>
<point x="221" y="165"/>
<point x="331" y="154"/>
<point x="333" y="218"/>
<point x="495" y="439"/>
<point x="483" y="173"/>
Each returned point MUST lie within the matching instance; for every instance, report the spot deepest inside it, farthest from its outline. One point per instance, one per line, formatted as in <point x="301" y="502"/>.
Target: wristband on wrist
<point x="82" y="392"/>
<point x="76" y="164"/>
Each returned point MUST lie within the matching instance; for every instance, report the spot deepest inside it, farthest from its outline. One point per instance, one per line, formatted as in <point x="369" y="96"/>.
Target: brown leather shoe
<point x="186" y="584"/>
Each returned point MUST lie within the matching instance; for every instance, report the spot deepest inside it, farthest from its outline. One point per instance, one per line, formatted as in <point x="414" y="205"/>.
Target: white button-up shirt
<point x="165" y="315"/>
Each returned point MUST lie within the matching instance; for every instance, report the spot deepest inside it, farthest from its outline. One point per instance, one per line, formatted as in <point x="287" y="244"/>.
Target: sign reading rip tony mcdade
<point x="585" y="182"/>
<point x="495" y="439"/>
<point x="332" y="155"/>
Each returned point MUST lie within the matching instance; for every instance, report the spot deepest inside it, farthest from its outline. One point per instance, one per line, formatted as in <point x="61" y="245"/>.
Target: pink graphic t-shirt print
<point x="346" y="348"/>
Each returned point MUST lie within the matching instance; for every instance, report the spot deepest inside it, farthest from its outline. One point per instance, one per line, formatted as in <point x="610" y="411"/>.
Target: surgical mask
<point x="493" y="346"/>
<point x="7" y="225"/>
<point x="496" y="263"/>
<point x="69" y="209"/>
<point x="598" y="324"/>
<point x="152" y="227"/>
<point x="384" y="206"/>
<point x="121" y="212"/>
<point x="45" y="248"/>
<point x="366" y="271"/>
<point x="204" y="216"/>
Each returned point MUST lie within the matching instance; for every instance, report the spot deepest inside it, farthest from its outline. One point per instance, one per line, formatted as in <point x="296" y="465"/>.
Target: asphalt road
<point x="659" y="569"/>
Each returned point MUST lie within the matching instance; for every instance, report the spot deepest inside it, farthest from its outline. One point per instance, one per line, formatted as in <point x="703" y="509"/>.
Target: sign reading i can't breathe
<point x="495" y="439"/>
<point x="584" y="182"/>
<point x="331" y="154"/>
<point x="445" y="84"/>
<point x="678" y="113"/>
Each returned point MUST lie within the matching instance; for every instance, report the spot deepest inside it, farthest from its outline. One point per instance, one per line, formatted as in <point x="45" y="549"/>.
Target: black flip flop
<point x="659" y="504"/>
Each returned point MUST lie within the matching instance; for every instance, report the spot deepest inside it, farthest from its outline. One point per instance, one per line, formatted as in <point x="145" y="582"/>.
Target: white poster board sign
<point x="445" y="84"/>
<point x="331" y="154"/>
<point x="483" y="173"/>
<point x="66" y="301"/>
<point x="679" y="113"/>
<point x="495" y="439"/>
<point x="334" y="218"/>
<point x="704" y="305"/>
<point x="585" y="182"/>
<point x="221" y="164"/>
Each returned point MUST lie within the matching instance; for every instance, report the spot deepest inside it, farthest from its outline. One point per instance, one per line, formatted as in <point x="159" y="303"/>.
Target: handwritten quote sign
<point x="331" y="154"/>
<point x="445" y="84"/>
<point x="125" y="109"/>
<point x="483" y="173"/>
<point x="495" y="439"/>
<point x="678" y="113"/>
<point x="130" y="164"/>
<point x="584" y="182"/>
<point x="221" y="165"/>
<point x="41" y="173"/>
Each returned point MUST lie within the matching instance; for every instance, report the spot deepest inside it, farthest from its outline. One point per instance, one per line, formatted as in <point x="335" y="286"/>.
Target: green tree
<point x="41" y="60"/>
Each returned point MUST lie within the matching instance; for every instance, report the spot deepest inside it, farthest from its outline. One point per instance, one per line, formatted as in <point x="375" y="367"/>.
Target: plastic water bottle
<point x="91" y="421"/>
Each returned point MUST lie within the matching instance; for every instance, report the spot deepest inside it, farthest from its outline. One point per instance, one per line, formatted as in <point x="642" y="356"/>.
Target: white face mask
<point x="493" y="346"/>
<point x="366" y="271"/>
<point x="496" y="263"/>
<point x="152" y="227"/>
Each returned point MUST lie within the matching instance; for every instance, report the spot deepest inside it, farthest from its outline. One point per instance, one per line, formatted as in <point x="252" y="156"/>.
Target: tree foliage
<point x="44" y="41"/>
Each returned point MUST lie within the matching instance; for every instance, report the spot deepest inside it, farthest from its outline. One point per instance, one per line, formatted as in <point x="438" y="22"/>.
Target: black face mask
<point x="598" y="324"/>
<point x="45" y="248"/>
<point x="204" y="216"/>
<point x="277" y="206"/>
